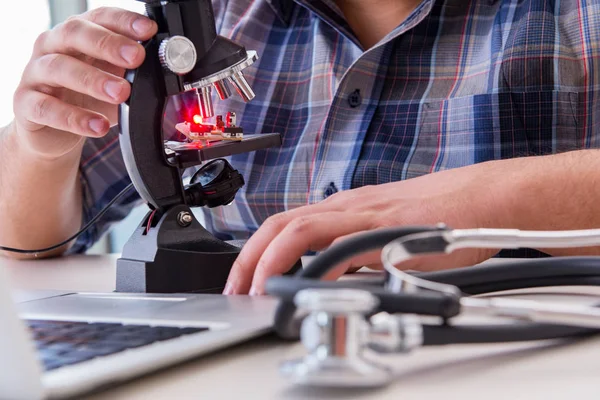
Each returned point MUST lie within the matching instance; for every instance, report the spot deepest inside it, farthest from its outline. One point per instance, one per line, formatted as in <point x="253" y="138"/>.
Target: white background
<point x="22" y="23"/>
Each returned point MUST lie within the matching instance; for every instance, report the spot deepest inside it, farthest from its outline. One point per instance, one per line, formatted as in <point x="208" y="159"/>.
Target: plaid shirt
<point x="458" y="82"/>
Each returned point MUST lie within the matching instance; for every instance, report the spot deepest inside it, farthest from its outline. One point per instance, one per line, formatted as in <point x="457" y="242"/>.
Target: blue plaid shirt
<point x="458" y="82"/>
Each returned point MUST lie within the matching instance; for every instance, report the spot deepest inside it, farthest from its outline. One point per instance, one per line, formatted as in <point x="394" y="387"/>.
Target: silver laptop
<point x="66" y="344"/>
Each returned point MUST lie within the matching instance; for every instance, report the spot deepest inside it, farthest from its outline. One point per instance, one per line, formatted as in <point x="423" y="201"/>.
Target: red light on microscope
<point x="197" y="119"/>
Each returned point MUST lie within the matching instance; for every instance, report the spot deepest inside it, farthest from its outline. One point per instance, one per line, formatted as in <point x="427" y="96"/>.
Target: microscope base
<point x="175" y="271"/>
<point x="164" y="255"/>
<point x="168" y="255"/>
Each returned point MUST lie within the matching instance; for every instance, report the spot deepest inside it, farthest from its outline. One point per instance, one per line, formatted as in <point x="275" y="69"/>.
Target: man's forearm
<point x="556" y="192"/>
<point x="40" y="199"/>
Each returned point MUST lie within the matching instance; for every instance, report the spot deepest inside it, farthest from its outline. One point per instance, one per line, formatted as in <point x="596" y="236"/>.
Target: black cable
<point x="85" y="228"/>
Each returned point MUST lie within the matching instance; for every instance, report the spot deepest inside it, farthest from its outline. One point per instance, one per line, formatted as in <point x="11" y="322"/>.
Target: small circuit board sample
<point x="199" y="130"/>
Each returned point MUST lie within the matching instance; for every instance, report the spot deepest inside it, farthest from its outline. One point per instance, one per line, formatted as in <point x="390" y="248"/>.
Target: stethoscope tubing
<point x="529" y="273"/>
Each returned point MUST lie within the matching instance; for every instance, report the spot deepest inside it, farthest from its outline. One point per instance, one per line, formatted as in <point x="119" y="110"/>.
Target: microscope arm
<point x="141" y="136"/>
<point x="170" y="251"/>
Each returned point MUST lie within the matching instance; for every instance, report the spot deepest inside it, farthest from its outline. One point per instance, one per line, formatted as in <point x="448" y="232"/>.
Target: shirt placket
<point x="354" y="104"/>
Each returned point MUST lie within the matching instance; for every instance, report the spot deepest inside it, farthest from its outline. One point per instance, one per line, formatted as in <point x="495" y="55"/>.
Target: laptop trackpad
<point x="109" y="306"/>
<point x="132" y="307"/>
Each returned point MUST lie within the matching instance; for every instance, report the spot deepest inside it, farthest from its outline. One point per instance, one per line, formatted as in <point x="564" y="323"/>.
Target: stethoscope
<point x="343" y="323"/>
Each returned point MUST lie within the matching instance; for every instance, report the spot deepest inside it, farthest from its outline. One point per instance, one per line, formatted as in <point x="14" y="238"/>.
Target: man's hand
<point x="70" y="90"/>
<point x="73" y="83"/>
<point x="459" y="198"/>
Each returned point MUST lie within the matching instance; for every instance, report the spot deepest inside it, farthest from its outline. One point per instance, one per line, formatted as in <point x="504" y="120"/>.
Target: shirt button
<point x="355" y="99"/>
<point x="329" y="190"/>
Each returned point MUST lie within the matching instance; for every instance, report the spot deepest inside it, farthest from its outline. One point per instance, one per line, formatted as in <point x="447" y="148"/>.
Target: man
<point x="472" y="113"/>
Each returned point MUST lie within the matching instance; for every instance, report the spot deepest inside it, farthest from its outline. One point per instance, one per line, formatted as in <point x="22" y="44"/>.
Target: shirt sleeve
<point x="103" y="176"/>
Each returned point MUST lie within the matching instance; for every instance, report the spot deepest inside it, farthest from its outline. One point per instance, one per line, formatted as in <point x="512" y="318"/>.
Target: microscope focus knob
<point x="177" y="54"/>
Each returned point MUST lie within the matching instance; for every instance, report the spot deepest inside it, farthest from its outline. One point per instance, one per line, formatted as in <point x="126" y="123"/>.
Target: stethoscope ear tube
<point x="534" y="283"/>
<point x="527" y="273"/>
<point x="443" y="334"/>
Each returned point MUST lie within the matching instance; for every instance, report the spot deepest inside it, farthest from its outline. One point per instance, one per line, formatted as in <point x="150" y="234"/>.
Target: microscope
<point x="170" y="251"/>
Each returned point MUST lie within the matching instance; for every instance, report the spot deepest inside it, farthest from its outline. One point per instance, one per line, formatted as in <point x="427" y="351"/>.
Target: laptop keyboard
<point x="61" y="343"/>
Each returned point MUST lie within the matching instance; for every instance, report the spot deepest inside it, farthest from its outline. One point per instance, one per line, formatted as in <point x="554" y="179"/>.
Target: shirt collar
<point x="330" y="12"/>
<point x="418" y="15"/>
<point x="283" y="9"/>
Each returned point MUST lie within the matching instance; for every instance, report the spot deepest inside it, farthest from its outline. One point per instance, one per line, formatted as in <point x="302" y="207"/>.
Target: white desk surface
<point x="249" y="371"/>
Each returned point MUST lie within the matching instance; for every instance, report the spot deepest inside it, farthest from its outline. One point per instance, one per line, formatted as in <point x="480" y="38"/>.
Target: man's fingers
<point x="240" y="276"/>
<point x="311" y="232"/>
<point x="80" y="36"/>
<point x="243" y="268"/>
<point x="108" y="67"/>
<point x="59" y="70"/>
<point x="126" y="23"/>
<point x="42" y="110"/>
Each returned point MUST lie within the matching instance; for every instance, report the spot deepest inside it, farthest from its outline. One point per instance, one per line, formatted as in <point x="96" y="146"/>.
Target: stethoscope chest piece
<point x="337" y="336"/>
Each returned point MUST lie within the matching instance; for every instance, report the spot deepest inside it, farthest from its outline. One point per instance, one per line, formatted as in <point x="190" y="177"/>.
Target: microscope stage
<point x="189" y="154"/>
